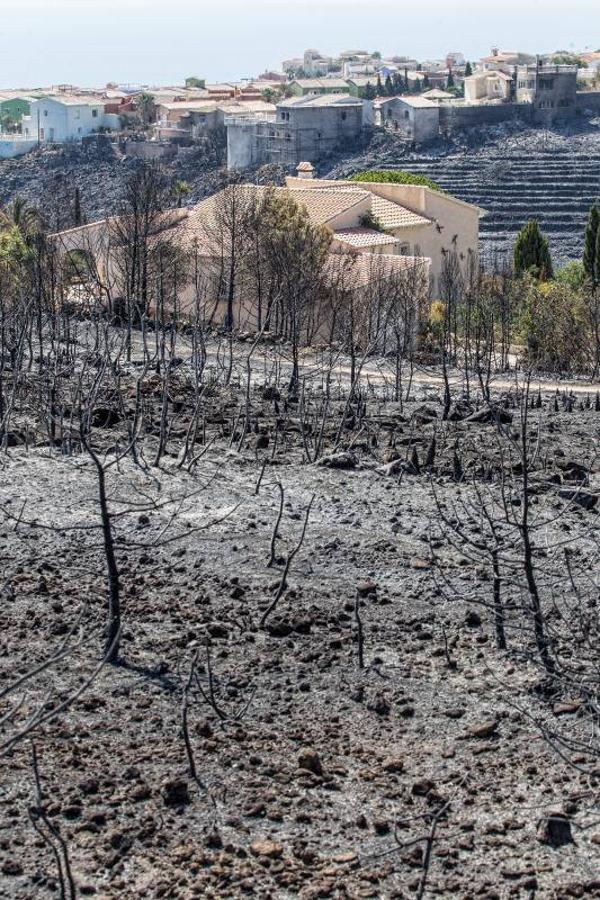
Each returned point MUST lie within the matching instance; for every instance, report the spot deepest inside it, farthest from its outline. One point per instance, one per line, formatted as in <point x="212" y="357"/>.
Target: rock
<point x="585" y="499"/>
<point x="422" y="787"/>
<point x="310" y="759"/>
<point x="366" y="588"/>
<point x="217" y="630"/>
<point x="425" y="414"/>
<point x="484" y="729"/>
<point x="393" y="764"/>
<point x="555" y="829"/>
<point x="105" y="417"/>
<point x="260" y="442"/>
<point x="488" y="414"/>
<point x="566" y="707"/>
<point x="380" y="705"/>
<point x="175" y="792"/>
<point x="397" y="467"/>
<point x="454" y="712"/>
<point x="14" y="439"/>
<point x="279" y="629"/>
<point x="266" y="849"/>
<point x="459" y="412"/>
<point x="344" y="460"/>
<point x="213" y="840"/>
<point x="12" y="867"/>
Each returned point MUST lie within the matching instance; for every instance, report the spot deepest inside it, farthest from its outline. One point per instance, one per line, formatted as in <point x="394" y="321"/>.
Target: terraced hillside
<point x="554" y="185"/>
<point x="551" y="176"/>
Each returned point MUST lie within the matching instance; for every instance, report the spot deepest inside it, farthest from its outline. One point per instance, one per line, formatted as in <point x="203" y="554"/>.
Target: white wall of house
<point x="53" y="120"/>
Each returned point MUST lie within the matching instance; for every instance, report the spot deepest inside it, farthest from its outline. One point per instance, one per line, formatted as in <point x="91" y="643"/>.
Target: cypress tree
<point x="388" y="86"/>
<point x="379" y="87"/>
<point x="590" y="250"/>
<point x="468" y="70"/>
<point x="597" y="260"/>
<point x="532" y="253"/>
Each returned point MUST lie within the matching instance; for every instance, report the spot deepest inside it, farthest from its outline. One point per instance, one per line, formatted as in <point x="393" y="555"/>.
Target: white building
<point x="66" y="118"/>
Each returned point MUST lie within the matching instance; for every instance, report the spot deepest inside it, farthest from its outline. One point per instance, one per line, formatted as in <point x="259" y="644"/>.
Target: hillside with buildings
<point x="300" y="483"/>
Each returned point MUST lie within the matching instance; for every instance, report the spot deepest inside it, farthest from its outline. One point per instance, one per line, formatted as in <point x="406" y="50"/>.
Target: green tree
<point x="194" y="82"/>
<point x="531" y="252"/>
<point x="22" y="217"/>
<point x="379" y="87"/>
<point x="145" y="104"/>
<point x="393" y="176"/>
<point x="180" y="189"/>
<point x="389" y="88"/>
<point x="573" y="275"/>
<point x="370" y="92"/>
<point x="468" y="70"/>
<point x="554" y="328"/>
<point x="590" y="250"/>
<point x="450" y="81"/>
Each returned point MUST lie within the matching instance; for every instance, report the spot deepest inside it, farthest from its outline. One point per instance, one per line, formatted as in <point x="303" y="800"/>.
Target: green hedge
<point x="393" y="176"/>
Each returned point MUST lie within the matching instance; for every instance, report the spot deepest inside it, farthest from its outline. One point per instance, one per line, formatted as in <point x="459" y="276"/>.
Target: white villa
<point x="66" y="118"/>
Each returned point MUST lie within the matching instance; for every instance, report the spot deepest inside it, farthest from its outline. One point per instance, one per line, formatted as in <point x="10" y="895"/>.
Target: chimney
<point x="305" y="170"/>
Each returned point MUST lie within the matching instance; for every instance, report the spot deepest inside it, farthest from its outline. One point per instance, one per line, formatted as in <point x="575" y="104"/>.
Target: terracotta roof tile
<point x="364" y="237"/>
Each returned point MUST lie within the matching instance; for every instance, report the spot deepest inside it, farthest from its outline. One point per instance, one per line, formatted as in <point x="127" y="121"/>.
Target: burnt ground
<point x="316" y="778"/>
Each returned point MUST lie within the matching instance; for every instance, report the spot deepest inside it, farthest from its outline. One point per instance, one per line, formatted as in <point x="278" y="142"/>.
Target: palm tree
<point x="180" y="189"/>
<point x="145" y="103"/>
<point x="23" y="217"/>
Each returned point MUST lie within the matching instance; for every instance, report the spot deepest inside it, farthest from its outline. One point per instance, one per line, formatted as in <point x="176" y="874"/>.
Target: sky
<point x="91" y="42"/>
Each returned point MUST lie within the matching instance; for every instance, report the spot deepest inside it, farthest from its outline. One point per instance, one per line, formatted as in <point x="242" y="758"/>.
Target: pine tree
<point x="590" y="250"/>
<point x="379" y="87"/>
<point x="468" y="70"/>
<point x="450" y="82"/>
<point x="389" y="87"/>
<point x="531" y="252"/>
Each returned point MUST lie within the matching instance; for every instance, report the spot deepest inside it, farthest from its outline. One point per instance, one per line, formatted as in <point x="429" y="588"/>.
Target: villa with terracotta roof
<point x="378" y="231"/>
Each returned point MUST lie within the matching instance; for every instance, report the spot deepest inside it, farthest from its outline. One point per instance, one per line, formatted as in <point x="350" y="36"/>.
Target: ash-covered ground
<point x="424" y="772"/>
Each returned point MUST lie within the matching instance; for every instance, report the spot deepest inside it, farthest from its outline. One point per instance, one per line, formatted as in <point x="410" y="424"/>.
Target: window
<point x="344" y="116"/>
<point x="406" y="114"/>
<point x="94" y="114"/>
<point x="45" y="112"/>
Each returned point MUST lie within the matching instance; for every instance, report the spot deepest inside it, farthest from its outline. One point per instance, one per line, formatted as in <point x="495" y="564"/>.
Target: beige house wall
<point x="455" y="224"/>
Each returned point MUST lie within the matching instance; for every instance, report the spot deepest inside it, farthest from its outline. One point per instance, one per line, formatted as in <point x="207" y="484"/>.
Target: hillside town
<point x="314" y="105"/>
<point x="299" y="470"/>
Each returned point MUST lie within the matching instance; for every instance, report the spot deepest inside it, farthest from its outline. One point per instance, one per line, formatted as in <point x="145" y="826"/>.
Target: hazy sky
<point x="90" y="42"/>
